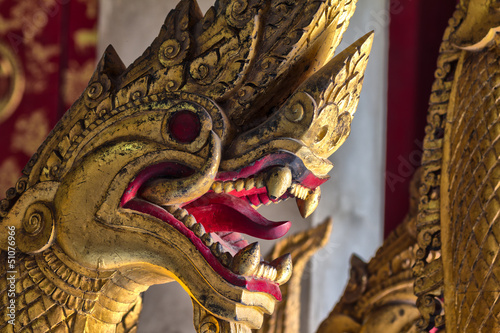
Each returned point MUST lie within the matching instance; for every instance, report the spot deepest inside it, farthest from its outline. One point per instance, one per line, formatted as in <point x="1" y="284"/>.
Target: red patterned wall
<point x="47" y="55"/>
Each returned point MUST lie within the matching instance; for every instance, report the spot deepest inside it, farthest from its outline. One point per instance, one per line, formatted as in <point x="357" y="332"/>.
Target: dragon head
<point x="158" y="168"/>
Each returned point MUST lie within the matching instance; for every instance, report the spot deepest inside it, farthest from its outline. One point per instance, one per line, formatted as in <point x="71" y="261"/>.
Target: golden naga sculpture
<point x="154" y="173"/>
<point x="157" y="169"/>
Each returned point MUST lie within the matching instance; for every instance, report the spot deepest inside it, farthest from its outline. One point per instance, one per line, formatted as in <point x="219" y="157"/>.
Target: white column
<point x="354" y="196"/>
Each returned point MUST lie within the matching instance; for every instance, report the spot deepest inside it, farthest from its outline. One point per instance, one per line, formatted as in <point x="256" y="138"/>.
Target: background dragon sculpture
<point x="439" y="271"/>
<point x="157" y="169"/>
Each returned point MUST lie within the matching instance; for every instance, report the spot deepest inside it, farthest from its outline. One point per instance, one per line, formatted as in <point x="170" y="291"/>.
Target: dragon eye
<point x="184" y="126"/>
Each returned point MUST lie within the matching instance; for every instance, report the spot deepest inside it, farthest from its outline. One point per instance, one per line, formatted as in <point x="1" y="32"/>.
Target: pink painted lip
<point x="241" y="281"/>
<point x="221" y="213"/>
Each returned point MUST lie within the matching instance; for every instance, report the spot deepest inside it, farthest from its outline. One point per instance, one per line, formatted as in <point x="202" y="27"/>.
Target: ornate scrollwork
<point x="429" y="283"/>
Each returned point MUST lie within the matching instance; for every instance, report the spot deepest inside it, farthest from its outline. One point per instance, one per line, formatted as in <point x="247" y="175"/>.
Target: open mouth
<point x="216" y="221"/>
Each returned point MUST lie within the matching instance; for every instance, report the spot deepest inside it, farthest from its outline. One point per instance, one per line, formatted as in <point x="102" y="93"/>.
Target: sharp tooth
<point x="309" y="205"/>
<point x="217" y="249"/>
<point x="271" y="275"/>
<point x="226" y="259"/>
<point x="190" y="221"/>
<point x="274" y="273"/>
<point x="259" y="180"/>
<point x="217" y="187"/>
<point x="304" y="193"/>
<point x="228" y="187"/>
<point x="249" y="184"/>
<point x="207" y="239"/>
<point x="239" y="185"/>
<point x="171" y="209"/>
<point x="198" y="230"/>
<point x="180" y="214"/>
<point x="247" y="260"/>
<point x="260" y="271"/>
<point x="267" y="271"/>
<point x="278" y="181"/>
<point x="299" y="191"/>
<point x="283" y="267"/>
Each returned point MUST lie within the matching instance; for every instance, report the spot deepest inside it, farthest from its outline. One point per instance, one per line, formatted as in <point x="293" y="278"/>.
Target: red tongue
<point x="224" y="212"/>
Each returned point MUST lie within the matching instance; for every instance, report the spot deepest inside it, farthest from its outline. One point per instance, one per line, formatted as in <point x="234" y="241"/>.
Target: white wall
<point x="354" y="196"/>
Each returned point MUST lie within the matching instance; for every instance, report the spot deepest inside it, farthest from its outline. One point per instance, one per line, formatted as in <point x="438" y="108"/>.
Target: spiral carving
<point x="95" y="90"/>
<point x="22" y="184"/>
<point x="201" y="72"/>
<point x="169" y="50"/>
<point x="209" y="325"/>
<point x="238" y="13"/>
<point x="206" y="69"/>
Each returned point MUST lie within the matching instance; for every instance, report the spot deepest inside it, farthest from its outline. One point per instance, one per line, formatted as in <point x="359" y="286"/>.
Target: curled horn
<point x="176" y="191"/>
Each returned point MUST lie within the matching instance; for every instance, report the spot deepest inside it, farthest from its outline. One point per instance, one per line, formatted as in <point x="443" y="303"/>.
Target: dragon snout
<point x="176" y="191"/>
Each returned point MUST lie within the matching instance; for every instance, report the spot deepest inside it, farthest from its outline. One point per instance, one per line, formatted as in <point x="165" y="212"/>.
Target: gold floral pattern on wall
<point x="30" y="132"/>
<point x="9" y="172"/>
<point x="51" y="44"/>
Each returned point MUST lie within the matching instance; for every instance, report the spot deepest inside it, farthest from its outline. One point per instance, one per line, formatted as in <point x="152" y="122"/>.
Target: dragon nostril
<point x="321" y="134"/>
<point x="184" y="126"/>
